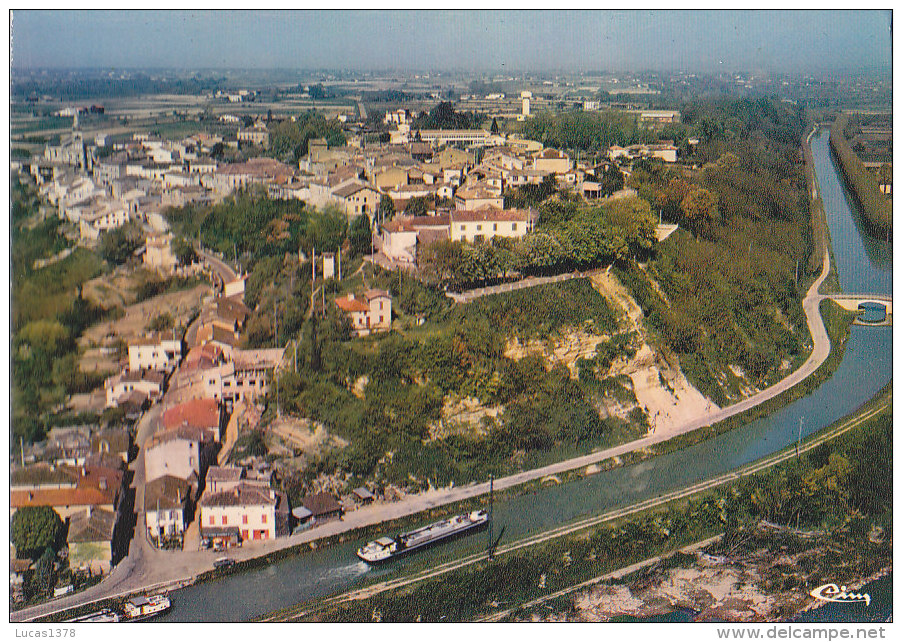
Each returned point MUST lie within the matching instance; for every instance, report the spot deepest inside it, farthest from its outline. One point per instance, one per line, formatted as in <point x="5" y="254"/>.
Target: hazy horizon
<point x="456" y="41"/>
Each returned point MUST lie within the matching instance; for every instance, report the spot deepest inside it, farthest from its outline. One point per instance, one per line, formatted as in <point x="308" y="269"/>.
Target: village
<point x="202" y="389"/>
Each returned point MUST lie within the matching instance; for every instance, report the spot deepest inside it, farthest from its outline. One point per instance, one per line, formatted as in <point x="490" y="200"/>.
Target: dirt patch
<point x="661" y="389"/>
<point x="462" y="417"/>
<point x="133" y="324"/>
<point x="566" y="348"/>
<point x="289" y="434"/>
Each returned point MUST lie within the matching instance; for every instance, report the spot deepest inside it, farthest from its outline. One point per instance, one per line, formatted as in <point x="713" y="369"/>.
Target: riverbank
<point x="747" y="584"/>
<point x="877" y="210"/>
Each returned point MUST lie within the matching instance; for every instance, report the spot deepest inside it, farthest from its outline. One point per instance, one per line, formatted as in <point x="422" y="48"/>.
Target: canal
<point x="864" y="265"/>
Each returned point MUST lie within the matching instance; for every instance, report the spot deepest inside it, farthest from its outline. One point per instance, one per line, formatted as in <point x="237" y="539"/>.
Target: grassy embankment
<point x="876" y="208"/>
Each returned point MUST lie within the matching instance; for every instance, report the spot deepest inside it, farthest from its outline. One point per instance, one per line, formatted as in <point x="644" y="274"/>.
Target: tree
<point x="360" y="235"/>
<point x="117" y="245"/>
<point x="161" y="322"/>
<point x="184" y="251"/>
<point x="48" y="338"/>
<point x="440" y="260"/>
<point x="328" y="230"/>
<point x="611" y="180"/>
<point x="386" y="208"/>
<point x="670" y="199"/>
<point x="700" y="210"/>
<point x="495" y="129"/>
<point x="34" y="529"/>
<point x="44" y="569"/>
<point x="417" y="206"/>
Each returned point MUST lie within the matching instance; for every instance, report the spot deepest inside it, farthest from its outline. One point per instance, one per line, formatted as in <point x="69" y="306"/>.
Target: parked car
<point x="223" y="562"/>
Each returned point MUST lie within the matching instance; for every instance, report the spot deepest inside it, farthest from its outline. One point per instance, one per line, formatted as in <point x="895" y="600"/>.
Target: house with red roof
<point x="205" y="414"/>
<point x="369" y="313"/>
<point x="245" y="512"/>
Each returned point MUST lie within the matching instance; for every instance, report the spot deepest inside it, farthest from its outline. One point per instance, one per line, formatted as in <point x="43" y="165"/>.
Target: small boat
<point x="386" y="548"/>
<point x="146" y="606"/>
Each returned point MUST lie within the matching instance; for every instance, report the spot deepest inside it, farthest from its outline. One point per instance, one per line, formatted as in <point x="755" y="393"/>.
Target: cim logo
<point x="834" y="593"/>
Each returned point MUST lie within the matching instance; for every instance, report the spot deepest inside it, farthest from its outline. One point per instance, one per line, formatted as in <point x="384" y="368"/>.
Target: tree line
<point x="877" y="208"/>
<point x="570" y="236"/>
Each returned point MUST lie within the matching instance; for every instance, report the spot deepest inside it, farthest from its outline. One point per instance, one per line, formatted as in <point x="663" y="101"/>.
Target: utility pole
<point x="491" y="550"/>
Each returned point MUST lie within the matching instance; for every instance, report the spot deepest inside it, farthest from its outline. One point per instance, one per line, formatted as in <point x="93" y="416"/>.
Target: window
<point x="244" y="519"/>
<point x="263" y="518"/>
<point x="212" y="520"/>
<point x="225" y="520"/>
<point x="514" y="227"/>
<point x="494" y="227"/>
<point x="479" y="228"/>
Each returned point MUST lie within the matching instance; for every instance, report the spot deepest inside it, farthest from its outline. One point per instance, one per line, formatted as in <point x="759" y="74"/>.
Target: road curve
<point x="223" y="269"/>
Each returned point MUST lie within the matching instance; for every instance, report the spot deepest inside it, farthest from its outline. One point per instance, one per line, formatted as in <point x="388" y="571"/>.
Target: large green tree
<point x="34" y="529"/>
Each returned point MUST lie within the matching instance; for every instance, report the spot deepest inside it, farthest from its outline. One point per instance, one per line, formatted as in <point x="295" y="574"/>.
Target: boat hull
<point x="418" y="547"/>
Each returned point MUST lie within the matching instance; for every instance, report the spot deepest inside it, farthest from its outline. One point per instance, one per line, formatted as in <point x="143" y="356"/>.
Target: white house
<point x="154" y="354"/>
<point x="551" y="160"/>
<point x="486" y="224"/>
<point x="125" y="384"/>
<point x="235" y="288"/>
<point x="158" y="254"/>
<point x="102" y="217"/>
<point x="165" y="501"/>
<point x="177" y="452"/>
<point x="357" y="198"/>
<point x="401" y="236"/>
<point x="474" y="137"/>
<point x="243" y="513"/>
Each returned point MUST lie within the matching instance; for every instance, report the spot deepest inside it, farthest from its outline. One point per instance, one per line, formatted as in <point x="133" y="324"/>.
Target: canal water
<point x="864" y="266"/>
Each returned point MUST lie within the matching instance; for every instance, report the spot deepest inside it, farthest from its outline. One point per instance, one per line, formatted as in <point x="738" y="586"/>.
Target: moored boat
<point x="146" y="606"/>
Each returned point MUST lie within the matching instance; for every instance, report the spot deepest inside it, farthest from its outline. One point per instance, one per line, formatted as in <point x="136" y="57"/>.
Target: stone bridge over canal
<point x="873" y="307"/>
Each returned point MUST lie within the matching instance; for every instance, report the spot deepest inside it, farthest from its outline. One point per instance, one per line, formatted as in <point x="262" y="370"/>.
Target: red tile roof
<point x="490" y="215"/>
<point x="79" y="496"/>
<point x="351" y="305"/>
<point x="244" y="494"/>
<point x="199" y="413"/>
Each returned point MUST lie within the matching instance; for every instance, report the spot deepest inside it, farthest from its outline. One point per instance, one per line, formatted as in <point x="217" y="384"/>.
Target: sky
<point x="466" y="40"/>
